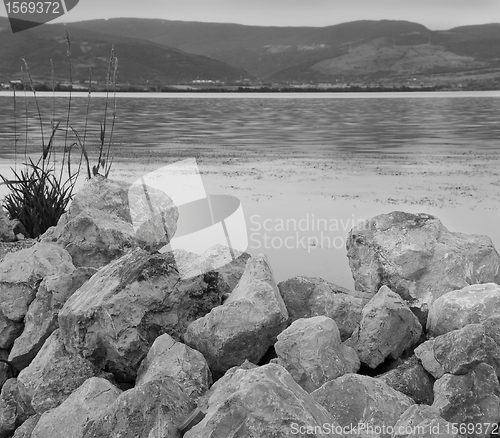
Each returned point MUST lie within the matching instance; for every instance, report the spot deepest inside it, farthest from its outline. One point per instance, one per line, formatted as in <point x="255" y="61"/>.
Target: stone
<point x="54" y="374"/>
<point x="261" y="402"/>
<point x="114" y="318"/>
<point x="354" y="399"/>
<point x="153" y="214"/>
<point x="469" y="305"/>
<point x="306" y="297"/>
<point x="21" y="273"/>
<point x="97" y="228"/>
<point x="26" y="429"/>
<point x="85" y="404"/>
<point x="460" y="351"/>
<point x="154" y="409"/>
<point x="387" y="328"/>
<point x="41" y="319"/>
<point x="9" y="331"/>
<point x="411" y="379"/>
<point x="471" y="398"/>
<point x="228" y="263"/>
<point x="423" y="422"/>
<point x="312" y="352"/>
<point x="6" y="373"/>
<point x="6" y="228"/>
<point x="14" y="408"/>
<point x="246" y="325"/>
<point x="425" y="353"/>
<point x="169" y="359"/>
<point x="418" y="258"/>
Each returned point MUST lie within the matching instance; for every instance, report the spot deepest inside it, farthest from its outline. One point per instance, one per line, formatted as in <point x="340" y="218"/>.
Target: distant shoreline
<point x="257" y="93"/>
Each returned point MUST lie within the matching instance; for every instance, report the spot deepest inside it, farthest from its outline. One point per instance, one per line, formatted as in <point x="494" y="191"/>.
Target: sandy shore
<point x="300" y="206"/>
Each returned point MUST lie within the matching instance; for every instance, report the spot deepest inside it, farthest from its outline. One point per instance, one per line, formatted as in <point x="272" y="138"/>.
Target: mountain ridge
<point x="383" y="51"/>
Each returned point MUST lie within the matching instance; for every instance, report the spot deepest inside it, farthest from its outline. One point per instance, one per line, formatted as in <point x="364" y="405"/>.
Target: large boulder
<point x="83" y="405"/>
<point x="169" y="359"/>
<point x="411" y="379"/>
<point x="387" y="328"/>
<point x="306" y="297"/>
<point x="20" y="275"/>
<point x="472" y="398"/>
<point x="417" y="257"/>
<point x="153" y="410"/>
<point x="41" y="319"/>
<point x="246" y="325"/>
<point x="312" y="352"/>
<point x="114" y="318"/>
<point x="355" y="400"/>
<point x="460" y="351"/>
<point x="53" y="375"/>
<point x="424" y="421"/>
<point x="98" y="226"/>
<point x="261" y="402"/>
<point x="470" y="305"/>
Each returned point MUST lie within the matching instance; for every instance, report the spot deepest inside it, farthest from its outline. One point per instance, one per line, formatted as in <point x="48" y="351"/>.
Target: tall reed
<point x="40" y="193"/>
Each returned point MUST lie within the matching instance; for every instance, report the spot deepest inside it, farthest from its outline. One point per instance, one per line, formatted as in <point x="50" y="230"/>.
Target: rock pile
<point x="102" y="336"/>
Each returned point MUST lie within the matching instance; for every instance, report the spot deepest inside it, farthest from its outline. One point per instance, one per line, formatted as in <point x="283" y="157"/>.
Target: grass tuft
<point x="40" y="193"/>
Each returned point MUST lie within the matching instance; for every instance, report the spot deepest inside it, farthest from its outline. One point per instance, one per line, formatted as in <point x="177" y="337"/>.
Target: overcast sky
<point x="435" y="14"/>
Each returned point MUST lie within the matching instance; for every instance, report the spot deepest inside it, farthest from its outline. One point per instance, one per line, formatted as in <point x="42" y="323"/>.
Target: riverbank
<point x="299" y="206"/>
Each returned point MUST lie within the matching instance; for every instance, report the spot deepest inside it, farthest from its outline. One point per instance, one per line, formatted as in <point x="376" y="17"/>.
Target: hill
<point x="140" y="61"/>
<point x="370" y="50"/>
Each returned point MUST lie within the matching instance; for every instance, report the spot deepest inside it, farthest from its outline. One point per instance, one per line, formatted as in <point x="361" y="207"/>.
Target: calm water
<point x="364" y="122"/>
<point x="287" y="123"/>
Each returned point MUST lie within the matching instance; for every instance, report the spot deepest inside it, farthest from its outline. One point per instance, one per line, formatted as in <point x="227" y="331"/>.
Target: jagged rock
<point x="460" y="351"/>
<point x="6" y="228"/>
<point x="246" y="325"/>
<point x="20" y="275"/>
<point x="469" y="398"/>
<point x="8" y="247"/>
<point x="153" y="214"/>
<point x="311" y="351"/>
<point x="387" y="328"/>
<point x="228" y="263"/>
<point x="26" y="429"/>
<point x="306" y="297"/>
<point x="154" y="409"/>
<point x="411" y="379"/>
<point x="54" y="374"/>
<point x="260" y="402"/>
<point x="355" y="399"/>
<point x="169" y="359"/>
<point x="41" y="319"/>
<point x="469" y="305"/>
<point x="14" y="408"/>
<point x="418" y="258"/>
<point x="423" y="422"/>
<point x="425" y="353"/>
<point x="83" y="405"/>
<point x="97" y="228"/>
<point x="113" y="319"/>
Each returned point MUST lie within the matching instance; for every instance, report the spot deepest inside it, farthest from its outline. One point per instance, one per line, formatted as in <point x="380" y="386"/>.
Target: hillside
<point x="363" y="49"/>
<point x="140" y="61"/>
